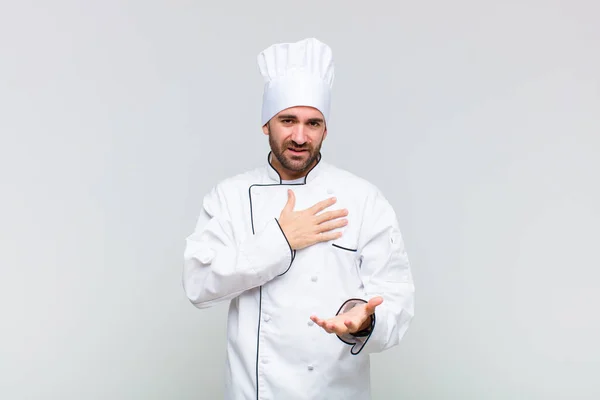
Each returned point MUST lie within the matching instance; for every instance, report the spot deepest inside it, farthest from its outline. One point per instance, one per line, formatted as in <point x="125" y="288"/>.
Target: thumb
<point x="291" y="202"/>
<point x="373" y="303"/>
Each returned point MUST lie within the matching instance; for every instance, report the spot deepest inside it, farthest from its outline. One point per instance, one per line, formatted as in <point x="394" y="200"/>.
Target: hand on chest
<point x="326" y="271"/>
<point x="268" y="202"/>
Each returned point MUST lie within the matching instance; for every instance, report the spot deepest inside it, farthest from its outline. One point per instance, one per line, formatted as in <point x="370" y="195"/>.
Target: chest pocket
<point x="348" y="243"/>
<point x="345" y="251"/>
<point x="343" y="254"/>
<point x="342" y="261"/>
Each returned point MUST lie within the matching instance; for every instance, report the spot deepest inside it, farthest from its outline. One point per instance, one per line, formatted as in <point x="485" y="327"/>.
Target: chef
<point x="309" y="256"/>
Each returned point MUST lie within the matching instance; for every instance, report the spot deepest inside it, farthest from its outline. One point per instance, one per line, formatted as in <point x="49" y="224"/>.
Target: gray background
<point x="479" y="120"/>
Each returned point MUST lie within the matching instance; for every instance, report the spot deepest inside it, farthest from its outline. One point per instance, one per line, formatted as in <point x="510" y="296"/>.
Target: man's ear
<point x="325" y="133"/>
<point x="265" y="129"/>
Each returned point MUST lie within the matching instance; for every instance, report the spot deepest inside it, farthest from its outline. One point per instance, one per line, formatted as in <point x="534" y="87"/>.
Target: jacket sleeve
<point x="218" y="268"/>
<point x="385" y="271"/>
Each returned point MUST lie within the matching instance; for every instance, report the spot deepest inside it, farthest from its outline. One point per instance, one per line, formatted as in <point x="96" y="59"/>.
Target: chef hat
<point x="296" y="74"/>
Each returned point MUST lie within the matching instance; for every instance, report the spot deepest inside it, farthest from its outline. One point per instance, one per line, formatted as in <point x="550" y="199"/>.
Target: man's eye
<point x="315" y="124"/>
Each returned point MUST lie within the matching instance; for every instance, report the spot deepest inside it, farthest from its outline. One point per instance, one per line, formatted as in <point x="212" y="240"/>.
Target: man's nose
<point x="299" y="135"/>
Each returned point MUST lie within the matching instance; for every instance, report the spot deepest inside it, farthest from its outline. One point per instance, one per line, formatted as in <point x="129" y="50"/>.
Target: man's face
<point x="295" y="136"/>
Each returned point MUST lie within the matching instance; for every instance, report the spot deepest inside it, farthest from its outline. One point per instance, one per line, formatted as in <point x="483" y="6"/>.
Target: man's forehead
<point x="300" y="112"/>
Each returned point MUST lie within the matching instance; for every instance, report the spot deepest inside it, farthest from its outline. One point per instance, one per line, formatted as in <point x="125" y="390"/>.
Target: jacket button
<point x="206" y="256"/>
<point x="310" y="322"/>
<point x="314" y="278"/>
<point x="266" y="318"/>
<point x="265" y="361"/>
<point x="310" y="367"/>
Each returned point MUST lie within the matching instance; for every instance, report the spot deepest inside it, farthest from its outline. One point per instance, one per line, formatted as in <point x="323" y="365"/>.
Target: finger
<point x="332" y="327"/>
<point x="318" y="321"/>
<point x="325" y="325"/>
<point x="320" y="206"/>
<point x="329" y="215"/>
<point x="327" y="236"/>
<point x="340" y="328"/>
<point x="351" y="325"/>
<point x="373" y="303"/>
<point x="331" y="225"/>
<point x="291" y="201"/>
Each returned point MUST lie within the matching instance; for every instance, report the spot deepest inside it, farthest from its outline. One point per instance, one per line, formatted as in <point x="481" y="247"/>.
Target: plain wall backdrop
<point x="479" y="120"/>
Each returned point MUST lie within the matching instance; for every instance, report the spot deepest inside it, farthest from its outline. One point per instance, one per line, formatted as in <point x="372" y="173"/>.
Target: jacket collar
<point x="310" y="175"/>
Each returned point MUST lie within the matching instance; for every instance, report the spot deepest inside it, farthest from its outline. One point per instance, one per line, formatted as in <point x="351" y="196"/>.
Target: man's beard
<point x="291" y="164"/>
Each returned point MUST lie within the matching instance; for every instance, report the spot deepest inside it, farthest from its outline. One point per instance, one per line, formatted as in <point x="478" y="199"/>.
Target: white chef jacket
<point x="239" y="253"/>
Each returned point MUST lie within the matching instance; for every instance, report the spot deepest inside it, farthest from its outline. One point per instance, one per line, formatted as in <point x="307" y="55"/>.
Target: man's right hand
<point x="305" y="228"/>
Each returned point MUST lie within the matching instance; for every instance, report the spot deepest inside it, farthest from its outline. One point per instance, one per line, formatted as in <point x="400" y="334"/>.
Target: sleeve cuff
<point x="359" y="339"/>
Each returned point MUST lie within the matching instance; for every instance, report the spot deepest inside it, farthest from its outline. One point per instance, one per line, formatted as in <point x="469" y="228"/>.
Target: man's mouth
<point x="297" y="151"/>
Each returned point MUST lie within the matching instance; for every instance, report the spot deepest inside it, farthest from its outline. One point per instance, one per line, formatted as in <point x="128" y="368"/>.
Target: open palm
<point x="353" y="320"/>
